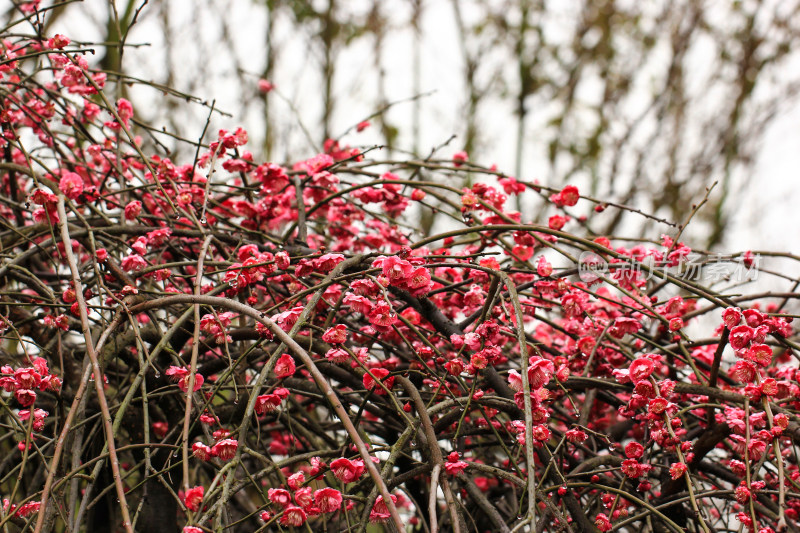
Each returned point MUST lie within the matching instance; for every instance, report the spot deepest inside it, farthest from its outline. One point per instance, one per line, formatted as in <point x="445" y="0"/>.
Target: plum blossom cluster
<point x="300" y="501"/>
<point x="183" y="377"/>
<point x="267" y="403"/>
<point x="25" y="381"/>
<point x="405" y="274"/>
<point x="22" y="511"/>
<point x="224" y="449"/>
<point x="747" y="340"/>
<point x="637" y="409"/>
<point x="217" y="326"/>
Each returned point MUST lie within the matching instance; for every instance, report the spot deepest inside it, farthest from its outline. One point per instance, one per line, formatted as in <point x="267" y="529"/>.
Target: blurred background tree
<point x="643" y="103"/>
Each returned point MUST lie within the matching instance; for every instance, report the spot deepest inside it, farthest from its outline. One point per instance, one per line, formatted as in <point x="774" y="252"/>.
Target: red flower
<point x="201" y="451"/>
<point x="328" y="500"/>
<point x="267" y="403"/>
<point x="677" y="470"/>
<point x="515" y="380"/>
<point x="568" y="196"/>
<point x="296" y="480"/>
<point x="160" y="429"/>
<point x="380" y="512"/>
<point x="760" y="354"/>
<point x="193" y="498"/>
<point x="133" y="209"/>
<point x="418" y="283"/>
<point x="58" y="42"/>
<point x="453" y="465"/>
<point x="337" y="355"/>
<point x="327" y="262"/>
<point x="293" y="516"/>
<point x="28" y="509"/>
<point x="541" y="432"/>
<point x="630" y="467"/>
<point x="287" y="319"/>
<point x="732" y="316"/>
<point x="394" y="268"/>
<point x="753" y="317"/>
<point x="634" y="450"/>
<point x="305" y="499"/>
<point x="543" y="267"/>
<point x="27" y="378"/>
<point x="556" y="222"/>
<point x="346" y="470"/>
<point x="181" y="375"/>
<point x="265" y="86"/>
<point x="25" y="397"/>
<point x="285" y="366"/>
<point x="657" y="405"/>
<point x="740" y="337"/>
<point x="602" y="522"/>
<point x="540" y="371"/>
<point x="71" y="185"/>
<point x="133" y="263"/>
<point x="576" y="436"/>
<point x="744" y="371"/>
<point x="742" y="494"/>
<point x="357" y="303"/>
<point x="335" y="335"/>
<point x="38" y="417"/>
<point x="124" y="110"/>
<point x="381" y="374"/>
<point x="318" y="464"/>
<point x="641" y="369"/>
<point x="281" y="497"/>
<point x="225" y="449"/>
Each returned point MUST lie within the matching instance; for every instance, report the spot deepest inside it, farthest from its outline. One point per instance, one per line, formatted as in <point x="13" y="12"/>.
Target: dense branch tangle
<point x="227" y="344"/>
